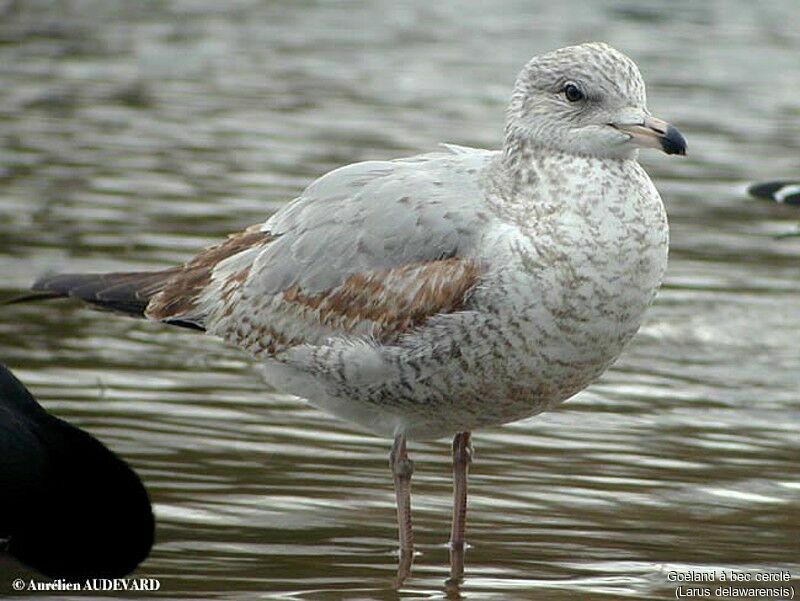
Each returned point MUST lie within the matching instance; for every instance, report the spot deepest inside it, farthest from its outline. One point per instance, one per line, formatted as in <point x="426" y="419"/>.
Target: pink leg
<point x="462" y="457"/>
<point x="402" y="469"/>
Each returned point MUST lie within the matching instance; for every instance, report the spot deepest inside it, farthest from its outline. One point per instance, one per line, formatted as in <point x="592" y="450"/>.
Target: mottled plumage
<point x="432" y="295"/>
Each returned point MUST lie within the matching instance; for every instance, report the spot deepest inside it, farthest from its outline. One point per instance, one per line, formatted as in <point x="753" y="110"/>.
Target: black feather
<point x="69" y="507"/>
<point x="127" y="292"/>
<point x="782" y="191"/>
<point x="123" y="292"/>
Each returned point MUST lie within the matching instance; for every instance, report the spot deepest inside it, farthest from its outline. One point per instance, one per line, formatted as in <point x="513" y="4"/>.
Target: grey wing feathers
<point x="375" y="224"/>
<point x="358" y="253"/>
<point x="372" y="216"/>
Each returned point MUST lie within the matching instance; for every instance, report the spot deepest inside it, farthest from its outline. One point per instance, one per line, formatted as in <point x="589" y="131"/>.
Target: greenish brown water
<point x="134" y="133"/>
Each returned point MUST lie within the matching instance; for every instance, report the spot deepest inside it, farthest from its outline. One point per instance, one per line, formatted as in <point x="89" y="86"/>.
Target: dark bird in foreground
<point x="69" y="507"/>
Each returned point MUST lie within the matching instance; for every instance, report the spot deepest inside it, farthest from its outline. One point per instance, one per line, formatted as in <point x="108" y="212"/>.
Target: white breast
<point x="573" y="285"/>
<point x="566" y="285"/>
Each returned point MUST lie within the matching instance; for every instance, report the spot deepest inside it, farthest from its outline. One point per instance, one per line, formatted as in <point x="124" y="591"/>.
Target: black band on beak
<point x="673" y="142"/>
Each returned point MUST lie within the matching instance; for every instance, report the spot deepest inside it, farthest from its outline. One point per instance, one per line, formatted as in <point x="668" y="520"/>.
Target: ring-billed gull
<point x="429" y="296"/>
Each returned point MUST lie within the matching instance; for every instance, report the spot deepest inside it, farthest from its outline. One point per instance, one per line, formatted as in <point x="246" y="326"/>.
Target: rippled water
<point x="134" y="133"/>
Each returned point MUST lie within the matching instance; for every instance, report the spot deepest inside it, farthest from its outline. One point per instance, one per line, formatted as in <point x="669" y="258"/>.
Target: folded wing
<point x="373" y="249"/>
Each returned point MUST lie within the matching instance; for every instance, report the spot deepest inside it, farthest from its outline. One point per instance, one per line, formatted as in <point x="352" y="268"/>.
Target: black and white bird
<point x="780" y="191"/>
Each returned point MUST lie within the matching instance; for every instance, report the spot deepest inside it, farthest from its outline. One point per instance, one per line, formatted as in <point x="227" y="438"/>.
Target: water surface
<point x="132" y="134"/>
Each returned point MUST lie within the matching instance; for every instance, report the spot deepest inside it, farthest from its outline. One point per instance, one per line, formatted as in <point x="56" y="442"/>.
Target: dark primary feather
<point x="124" y="292"/>
<point x="131" y="293"/>
<point x="69" y="507"/>
<point x="127" y="292"/>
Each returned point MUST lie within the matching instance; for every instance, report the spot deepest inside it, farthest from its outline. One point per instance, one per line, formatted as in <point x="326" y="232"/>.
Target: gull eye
<point x="573" y="92"/>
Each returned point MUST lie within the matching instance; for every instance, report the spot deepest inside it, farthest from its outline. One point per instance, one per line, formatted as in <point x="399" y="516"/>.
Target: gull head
<point x="586" y="100"/>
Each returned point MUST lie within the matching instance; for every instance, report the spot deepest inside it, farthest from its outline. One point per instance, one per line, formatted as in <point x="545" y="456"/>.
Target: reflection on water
<point x="132" y="134"/>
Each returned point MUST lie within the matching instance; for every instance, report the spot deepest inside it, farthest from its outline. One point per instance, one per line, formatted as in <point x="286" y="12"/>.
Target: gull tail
<point x="123" y="292"/>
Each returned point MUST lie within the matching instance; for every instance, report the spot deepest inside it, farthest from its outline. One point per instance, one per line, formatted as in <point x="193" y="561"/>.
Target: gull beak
<point x="654" y="133"/>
